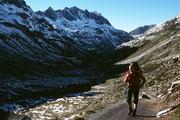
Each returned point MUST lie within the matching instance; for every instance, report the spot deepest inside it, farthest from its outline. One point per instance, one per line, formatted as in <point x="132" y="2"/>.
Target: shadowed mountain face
<point x="60" y="38"/>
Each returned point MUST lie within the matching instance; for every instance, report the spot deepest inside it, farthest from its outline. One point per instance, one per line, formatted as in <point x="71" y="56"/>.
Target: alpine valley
<point x="67" y="64"/>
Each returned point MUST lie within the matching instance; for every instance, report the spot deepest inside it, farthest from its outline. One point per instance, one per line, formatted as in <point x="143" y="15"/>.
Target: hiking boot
<point x="134" y="112"/>
<point x="130" y="111"/>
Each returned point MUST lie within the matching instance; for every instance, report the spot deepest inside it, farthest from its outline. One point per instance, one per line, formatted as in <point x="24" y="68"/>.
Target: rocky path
<point x="147" y="110"/>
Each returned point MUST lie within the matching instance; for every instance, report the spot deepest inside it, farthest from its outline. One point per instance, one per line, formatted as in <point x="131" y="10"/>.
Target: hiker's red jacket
<point x="134" y="79"/>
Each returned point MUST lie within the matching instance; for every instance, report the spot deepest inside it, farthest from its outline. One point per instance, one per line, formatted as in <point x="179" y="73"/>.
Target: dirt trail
<point x="147" y="110"/>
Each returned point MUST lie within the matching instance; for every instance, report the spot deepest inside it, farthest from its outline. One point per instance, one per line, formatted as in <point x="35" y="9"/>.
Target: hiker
<point x="135" y="80"/>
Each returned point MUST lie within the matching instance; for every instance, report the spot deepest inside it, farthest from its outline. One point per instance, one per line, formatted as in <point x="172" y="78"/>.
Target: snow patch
<point x="11" y="107"/>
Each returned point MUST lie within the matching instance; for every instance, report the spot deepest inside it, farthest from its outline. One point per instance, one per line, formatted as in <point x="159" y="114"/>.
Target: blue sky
<point x="122" y="14"/>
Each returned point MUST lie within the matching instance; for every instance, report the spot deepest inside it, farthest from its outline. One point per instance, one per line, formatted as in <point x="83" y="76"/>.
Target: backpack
<point x="133" y="79"/>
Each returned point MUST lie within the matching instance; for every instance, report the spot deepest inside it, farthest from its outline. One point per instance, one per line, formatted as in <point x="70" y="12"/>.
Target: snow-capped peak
<point x="90" y="26"/>
<point x="177" y="18"/>
<point x="50" y="13"/>
<point x="74" y="13"/>
<point x="99" y="14"/>
<point x="18" y="3"/>
<point x="163" y="25"/>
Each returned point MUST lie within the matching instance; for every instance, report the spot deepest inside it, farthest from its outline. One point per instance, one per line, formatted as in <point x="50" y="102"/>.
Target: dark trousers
<point x="132" y="92"/>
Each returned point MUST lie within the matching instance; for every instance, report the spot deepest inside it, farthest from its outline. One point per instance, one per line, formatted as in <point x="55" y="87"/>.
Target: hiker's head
<point x="134" y="67"/>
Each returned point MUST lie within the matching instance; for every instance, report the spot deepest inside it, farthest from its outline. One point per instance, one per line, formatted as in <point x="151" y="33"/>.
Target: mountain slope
<point x="141" y="30"/>
<point x="156" y="40"/>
